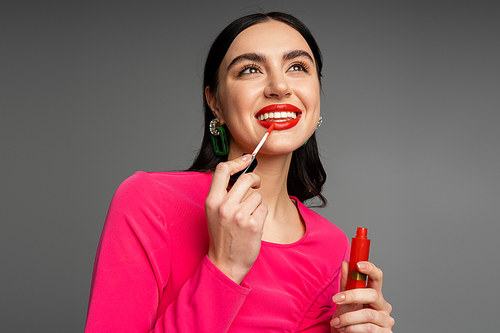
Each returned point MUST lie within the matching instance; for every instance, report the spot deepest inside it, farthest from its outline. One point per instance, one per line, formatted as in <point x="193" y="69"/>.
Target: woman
<point x="187" y="252"/>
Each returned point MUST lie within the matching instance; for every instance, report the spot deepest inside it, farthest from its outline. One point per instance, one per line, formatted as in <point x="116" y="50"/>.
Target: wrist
<point x="233" y="271"/>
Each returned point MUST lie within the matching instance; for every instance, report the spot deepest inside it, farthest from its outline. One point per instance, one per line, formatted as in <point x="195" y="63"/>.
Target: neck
<point x="273" y="172"/>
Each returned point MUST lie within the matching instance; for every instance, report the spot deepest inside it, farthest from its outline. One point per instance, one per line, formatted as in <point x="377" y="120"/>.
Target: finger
<point x="261" y="213"/>
<point x="375" y="274"/>
<point x="343" y="279"/>
<point x="375" y="281"/>
<point x="224" y="170"/>
<point x="234" y="205"/>
<point x="255" y="222"/>
<point x="248" y="208"/>
<point x="362" y="317"/>
<point x="361" y="328"/>
<point x="366" y="296"/>
<point x="357" y="296"/>
<point x="239" y="191"/>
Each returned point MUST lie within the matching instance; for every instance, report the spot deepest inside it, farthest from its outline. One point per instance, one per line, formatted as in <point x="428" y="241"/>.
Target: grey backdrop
<point x="93" y="91"/>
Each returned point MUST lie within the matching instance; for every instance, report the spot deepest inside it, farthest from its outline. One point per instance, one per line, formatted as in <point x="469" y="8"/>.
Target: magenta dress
<point x="152" y="272"/>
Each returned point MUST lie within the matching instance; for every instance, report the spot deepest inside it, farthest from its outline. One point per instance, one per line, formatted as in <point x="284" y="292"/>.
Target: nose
<point x="277" y="86"/>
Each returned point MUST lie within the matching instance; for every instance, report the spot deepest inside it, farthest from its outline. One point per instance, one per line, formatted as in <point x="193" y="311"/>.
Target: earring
<point x="320" y="121"/>
<point x="213" y="130"/>
<point x="219" y="138"/>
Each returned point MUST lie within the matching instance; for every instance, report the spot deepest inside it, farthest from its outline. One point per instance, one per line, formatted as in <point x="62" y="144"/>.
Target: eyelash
<point x="303" y="67"/>
<point x="250" y="66"/>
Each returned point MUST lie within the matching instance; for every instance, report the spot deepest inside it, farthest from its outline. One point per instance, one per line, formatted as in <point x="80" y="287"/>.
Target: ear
<point x="212" y="103"/>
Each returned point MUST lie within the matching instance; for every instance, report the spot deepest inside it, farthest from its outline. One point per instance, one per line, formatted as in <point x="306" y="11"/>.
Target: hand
<point x="362" y="310"/>
<point x="235" y="219"/>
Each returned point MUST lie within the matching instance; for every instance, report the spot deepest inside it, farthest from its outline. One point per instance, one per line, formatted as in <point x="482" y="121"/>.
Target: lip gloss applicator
<point x="252" y="164"/>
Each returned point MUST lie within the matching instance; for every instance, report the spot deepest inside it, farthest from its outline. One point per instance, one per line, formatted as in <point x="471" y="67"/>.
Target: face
<point x="267" y="75"/>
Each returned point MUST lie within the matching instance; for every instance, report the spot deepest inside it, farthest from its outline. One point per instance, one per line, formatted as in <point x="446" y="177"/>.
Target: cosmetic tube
<point x="360" y="249"/>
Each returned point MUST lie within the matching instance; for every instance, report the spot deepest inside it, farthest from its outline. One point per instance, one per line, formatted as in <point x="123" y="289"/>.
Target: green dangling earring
<point x="219" y="138"/>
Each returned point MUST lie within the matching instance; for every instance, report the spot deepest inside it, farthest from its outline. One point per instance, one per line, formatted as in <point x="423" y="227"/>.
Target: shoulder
<point x="325" y="235"/>
<point x="317" y="222"/>
<point x="143" y="183"/>
<point x="157" y="189"/>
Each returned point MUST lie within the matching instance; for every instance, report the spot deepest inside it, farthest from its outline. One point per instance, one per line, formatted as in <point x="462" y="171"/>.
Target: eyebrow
<point x="255" y="57"/>
<point x="247" y="56"/>
<point x="297" y="54"/>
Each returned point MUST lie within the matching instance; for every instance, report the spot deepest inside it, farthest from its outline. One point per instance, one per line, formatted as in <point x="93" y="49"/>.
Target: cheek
<point x="310" y="96"/>
<point x="240" y="99"/>
<point x="315" y="98"/>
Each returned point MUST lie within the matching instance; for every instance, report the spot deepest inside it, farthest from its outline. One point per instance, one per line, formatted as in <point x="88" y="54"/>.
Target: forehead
<point x="268" y="38"/>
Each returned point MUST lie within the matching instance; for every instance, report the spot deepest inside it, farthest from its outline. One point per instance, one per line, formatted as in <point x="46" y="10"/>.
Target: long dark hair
<point x="306" y="176"/>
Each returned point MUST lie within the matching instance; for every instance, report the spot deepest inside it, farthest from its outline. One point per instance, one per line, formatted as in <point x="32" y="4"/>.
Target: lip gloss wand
<point x="252" y="164"/>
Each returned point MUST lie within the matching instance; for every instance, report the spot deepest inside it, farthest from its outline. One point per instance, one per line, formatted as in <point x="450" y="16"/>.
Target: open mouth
<point x="277" y="116"/>
<point x="284" y="116"/>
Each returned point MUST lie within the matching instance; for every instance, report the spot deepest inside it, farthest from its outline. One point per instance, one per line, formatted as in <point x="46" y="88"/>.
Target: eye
<point x="249" y="69"/>
<point x="299" y="67"/>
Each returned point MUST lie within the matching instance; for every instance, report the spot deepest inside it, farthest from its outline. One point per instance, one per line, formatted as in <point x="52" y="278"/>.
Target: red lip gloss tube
<point x="360" y="249"/>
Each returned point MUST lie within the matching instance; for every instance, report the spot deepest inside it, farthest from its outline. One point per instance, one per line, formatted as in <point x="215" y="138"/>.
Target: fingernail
<point x="340" y="329"/>
<point x="246" y="157"/>
<point x="335" y="322"/>
<point x="339" y="298"/>
<point x="362" y="265"/>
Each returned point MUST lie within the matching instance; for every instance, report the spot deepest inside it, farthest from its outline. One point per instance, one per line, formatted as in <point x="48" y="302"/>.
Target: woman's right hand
<point x="235" y="219"/>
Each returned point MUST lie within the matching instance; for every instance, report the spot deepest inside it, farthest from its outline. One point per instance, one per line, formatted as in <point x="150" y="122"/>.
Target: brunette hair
<point x="306" y="176"/>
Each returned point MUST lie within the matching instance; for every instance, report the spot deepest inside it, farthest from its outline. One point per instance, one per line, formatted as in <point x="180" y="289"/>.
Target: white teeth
<point x="278" y="116"/>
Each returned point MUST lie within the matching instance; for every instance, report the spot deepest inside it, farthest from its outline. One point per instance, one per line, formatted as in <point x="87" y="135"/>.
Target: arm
<point x="132" y="269"/>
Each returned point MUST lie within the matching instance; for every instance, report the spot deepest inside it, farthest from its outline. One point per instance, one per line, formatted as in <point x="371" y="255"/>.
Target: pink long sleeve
<point x="132" y="269"/>
<point x="152" y="273"/>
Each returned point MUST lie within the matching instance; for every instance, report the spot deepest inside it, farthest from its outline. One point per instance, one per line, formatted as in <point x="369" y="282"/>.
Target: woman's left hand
<point x="362" y="310"/>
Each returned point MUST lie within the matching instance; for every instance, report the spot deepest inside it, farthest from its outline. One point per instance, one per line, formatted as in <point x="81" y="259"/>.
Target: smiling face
<point x="267" y="75"/>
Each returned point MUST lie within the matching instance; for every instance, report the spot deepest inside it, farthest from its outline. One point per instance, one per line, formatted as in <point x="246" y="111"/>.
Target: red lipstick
<point x="279" y="125"/>
<point x="360" y="248"/>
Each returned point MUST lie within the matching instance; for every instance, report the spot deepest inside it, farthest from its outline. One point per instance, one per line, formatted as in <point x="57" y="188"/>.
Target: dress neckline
<point x="300" y="208"/>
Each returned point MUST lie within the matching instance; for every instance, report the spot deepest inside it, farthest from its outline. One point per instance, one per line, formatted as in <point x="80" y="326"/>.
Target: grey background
<point x="93" y="91"/>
